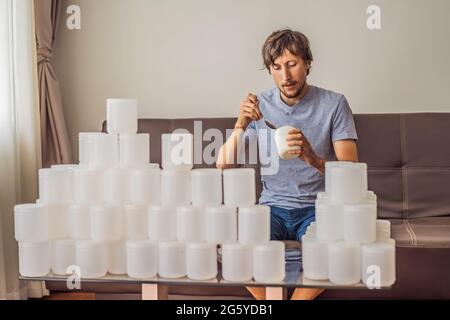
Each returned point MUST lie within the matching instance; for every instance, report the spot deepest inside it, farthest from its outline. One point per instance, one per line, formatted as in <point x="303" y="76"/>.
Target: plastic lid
<point x="28" y="207"/>
<point x="270" y="245"/>
<point x="220" y="210"/>
<point x="236" y="246"/>
<point x="377" y="246"/>
<point x="89" y="244"/>
<point x="201" y="245"/>
<point x="166" y="172"/>
<point x="63" y="242"/>
<point x="34" y="244"/>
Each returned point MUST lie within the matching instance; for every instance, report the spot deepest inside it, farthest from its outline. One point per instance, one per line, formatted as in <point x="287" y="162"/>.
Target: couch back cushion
<point x="408" y="157"/>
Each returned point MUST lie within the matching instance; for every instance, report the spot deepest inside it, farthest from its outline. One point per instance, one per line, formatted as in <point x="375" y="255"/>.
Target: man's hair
<point x="296" y="42"/>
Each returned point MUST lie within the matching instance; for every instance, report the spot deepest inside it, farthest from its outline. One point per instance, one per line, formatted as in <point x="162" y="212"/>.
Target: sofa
<point x="408" y="158"/>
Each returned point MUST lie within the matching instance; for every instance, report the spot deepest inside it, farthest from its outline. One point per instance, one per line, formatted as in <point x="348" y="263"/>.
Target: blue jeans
<point x="290" y="225"/>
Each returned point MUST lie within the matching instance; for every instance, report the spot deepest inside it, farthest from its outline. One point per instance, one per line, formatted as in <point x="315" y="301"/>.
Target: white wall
<point x="199" y="58"/>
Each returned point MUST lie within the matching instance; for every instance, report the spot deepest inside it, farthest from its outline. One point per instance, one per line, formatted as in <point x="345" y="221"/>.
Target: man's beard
<point x="296" y="94"/>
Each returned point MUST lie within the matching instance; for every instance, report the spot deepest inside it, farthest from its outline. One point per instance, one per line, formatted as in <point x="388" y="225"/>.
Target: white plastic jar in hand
<point x="162" y="223"/>
<point x="283" y="148"/>
<point x="63" y="256"/>
<point x="92" y="258"/>
<point x="239" y="187"/>
<point x="31" y="223"/>
<point x="378" y="264"/>
<point x="122" y="116"/>
<point x="254" y="224"/>
<point x="107" y="222"/>
<point x="172" y="259"/>
<point x="134" y="150"/>
<point x="145" y="186"/>
<point x="142" y="259"/>
<point x="136" y="222"/>
<point x="34" y="258"/>
<point x="191" y="223"/>
<point x="344" y="263"/>
<point x="237" y="262"/>
<point x="360" y="223"/>
<point x="221" y="224"/>
<point x="177" y="151"/>
<point x="269" y="262"/>
<point x="206" y="187"/>
<point x="201" y="263"/>
<point x="176" y="188"/>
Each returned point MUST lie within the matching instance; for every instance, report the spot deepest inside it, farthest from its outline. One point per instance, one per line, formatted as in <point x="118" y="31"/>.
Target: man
<point x="325" y="131"/>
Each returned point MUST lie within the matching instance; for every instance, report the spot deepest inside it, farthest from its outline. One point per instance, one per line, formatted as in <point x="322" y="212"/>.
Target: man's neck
<point x="293" y="101"/>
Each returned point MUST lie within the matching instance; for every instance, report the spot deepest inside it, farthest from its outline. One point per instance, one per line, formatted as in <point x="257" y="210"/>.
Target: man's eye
<point x="292" y="65"/>
<point x="276" y="67"/>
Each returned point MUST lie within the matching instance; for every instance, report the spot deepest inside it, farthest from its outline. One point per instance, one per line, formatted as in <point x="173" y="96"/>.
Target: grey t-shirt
<point x="324" y="117"/>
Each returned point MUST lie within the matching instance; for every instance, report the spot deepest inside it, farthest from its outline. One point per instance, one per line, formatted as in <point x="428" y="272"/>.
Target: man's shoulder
<point x="328" y="95"/>
<point x="268" y="94"/>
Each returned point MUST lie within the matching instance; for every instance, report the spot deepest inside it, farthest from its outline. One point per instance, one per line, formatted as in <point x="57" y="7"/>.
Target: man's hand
<point x="249" y="111"/>
<point x="306" y="153"/>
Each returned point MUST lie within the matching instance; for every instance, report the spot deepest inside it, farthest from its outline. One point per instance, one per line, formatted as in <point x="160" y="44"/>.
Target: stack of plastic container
<point x="347" y="243"/>
<point x="116" y="213"/>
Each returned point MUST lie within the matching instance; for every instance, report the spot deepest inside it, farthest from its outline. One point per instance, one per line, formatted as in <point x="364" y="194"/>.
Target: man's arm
<point x="249" y="111"/>
<point x="346" y="150"/>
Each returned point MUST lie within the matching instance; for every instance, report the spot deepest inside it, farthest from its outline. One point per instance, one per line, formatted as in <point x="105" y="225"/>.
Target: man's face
<point x="289" y="73"/>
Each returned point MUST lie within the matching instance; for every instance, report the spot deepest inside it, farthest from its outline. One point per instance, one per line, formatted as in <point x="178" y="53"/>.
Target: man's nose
<point x="286" y="75"/>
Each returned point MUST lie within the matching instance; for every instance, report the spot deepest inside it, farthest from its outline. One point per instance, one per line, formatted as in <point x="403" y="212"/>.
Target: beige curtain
<point x="20" y="153"/>
<point x="55" y="139"/>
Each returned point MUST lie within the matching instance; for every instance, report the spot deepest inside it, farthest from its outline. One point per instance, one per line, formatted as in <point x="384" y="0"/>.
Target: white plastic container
<point x="201" y="260"/>
<point x="206" y="187"/>
<point x="176" y="188"/>
<point x="329" y="218"/>
<point x="89" y="186"/>
<point x="31" y="223"/>
<point x="63" y="255"/>
<point x="172" y="259"/>
<point x="103" y="151"/>
<point x="56" y="185"/>
<point x="122" y="116"/>
<point x="134" y="150"/>
<point x="254" y="224"/>
<point x="34" y="259"/>
<point x="79" y="222"/>
<point x="190" y="224"/>
<point x="383" y="229"/>
<point x="162" y="223"/>
<point x="84" y="147"/>
<point x="107" y="222"/>
<point x="221" y="224"/>
<point x="92" y="258"/>
<point x="269" y="262"/>
<point x="136" y="222"/>
<point x="360" y="223"/>
<point x="344" y="263"/>
<point x="239" y="187"/>
<point x="117" y="257"/>
<point x="145" y="186"/>
<point x="346" y="182"/>
<point x="315" y="258"/>
<point x="58" y="215"/>
<point x="237" y="262"/>
<point x="116" y="187"/>
<point x="177" y="151"/>
<point x="142" y="259"/>
<point x="281" y="135"/>
<point x="378" y="264"/>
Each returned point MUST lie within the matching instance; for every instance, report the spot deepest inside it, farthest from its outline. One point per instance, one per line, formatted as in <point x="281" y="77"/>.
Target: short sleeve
<point x="343" y="126"/>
